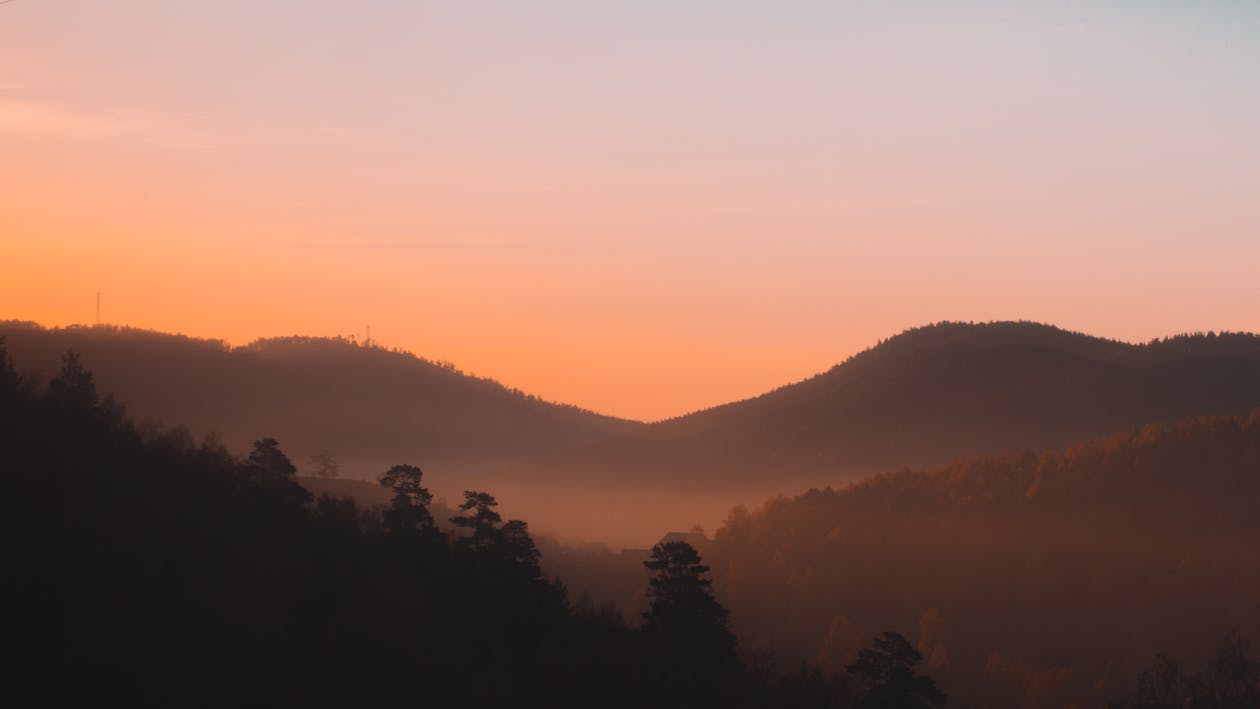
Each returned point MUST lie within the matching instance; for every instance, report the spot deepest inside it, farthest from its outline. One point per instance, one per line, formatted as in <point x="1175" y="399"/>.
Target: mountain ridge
<point x="919" y="398"/>
<point x="369" y="404"/>
<point x="940" y="391"/>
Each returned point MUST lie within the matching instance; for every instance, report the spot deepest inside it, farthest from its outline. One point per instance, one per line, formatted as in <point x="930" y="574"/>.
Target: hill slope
<point x="1029" y="580"/>
<point x="372" y="406"/>
<point x="1106" y="553"/>
<point x="922" y="398"/>
<point x="934" y="393"/>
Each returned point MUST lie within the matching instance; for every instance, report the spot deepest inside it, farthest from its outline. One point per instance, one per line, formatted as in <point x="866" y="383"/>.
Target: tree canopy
<point x="888" y="672"/>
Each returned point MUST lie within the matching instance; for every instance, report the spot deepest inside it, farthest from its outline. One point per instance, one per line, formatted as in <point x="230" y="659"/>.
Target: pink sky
<point x="641" y="208"/>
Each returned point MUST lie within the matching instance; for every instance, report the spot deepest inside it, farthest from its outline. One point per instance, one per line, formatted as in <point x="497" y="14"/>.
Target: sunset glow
<point x="641" y="211"/>
<point x="704" y="354"/>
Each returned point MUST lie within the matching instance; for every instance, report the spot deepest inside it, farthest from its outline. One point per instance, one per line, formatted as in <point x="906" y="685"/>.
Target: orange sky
<point x="640" y="208"/>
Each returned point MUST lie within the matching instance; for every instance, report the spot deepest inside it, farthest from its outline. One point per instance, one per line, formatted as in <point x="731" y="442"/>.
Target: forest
<point x="489" y="354"/>
<point x="921" y="398"/>
<point x="1035" y="580"/>
<point x="1031" y="580"/>
<point x="191" y="575"/>
<point x="330" y="392"/>
<point x="188" y="576"/>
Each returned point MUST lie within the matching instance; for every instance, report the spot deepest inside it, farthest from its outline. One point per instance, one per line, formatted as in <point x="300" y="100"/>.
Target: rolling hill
<point x="919" y="399"/>
<point x="373" y="407"/>
<point x="932" y="394"/>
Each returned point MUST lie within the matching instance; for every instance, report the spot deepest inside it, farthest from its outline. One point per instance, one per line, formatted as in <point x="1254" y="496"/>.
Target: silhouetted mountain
<point x="373" y="407"/>
<point x="1034" y="580"/>
<point x="934" y="393"/>
<point x="921" y="398"/>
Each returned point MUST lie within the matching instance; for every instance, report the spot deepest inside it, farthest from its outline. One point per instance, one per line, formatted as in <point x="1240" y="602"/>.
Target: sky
<point x="642" y="208"/>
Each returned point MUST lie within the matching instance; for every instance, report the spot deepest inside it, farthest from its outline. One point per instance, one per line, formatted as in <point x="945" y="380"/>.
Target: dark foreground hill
<point x="179" y="571"/>
<point x="160" y="572"/>
<point x="935" y="393"/>
<point x="373" y="407"/>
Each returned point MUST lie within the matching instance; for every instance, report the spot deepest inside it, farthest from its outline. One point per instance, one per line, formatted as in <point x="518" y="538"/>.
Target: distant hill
<point x="921" y="398"/>
<point x="935" y="393"/>
<point x="373" y="407"/>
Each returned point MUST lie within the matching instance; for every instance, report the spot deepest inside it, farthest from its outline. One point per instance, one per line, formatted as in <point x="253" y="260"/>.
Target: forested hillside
<point x="935" y="393"/>
<point x="368" y="405"/>
<point x="1046" y="580"/>
<point x="1033" y="580"/>
<point x="921" y="398"/>
<point x="174" y="573"/>
<point x="1030" y="580"/>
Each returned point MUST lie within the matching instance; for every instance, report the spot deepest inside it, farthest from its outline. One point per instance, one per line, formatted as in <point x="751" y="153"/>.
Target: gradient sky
<point x="637" y="207"/>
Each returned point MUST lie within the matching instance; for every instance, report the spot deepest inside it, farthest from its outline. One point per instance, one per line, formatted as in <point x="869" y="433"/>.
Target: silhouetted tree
<point x="483" y="521"/>
<point x="687" y="630"/>
<point x="409" y="509"/>
<point x="73" y="386"/>
<point x="268" y="458"/>
<point x="507" y="549"/>
<point x="269" y="468"/>
<point x="683" y="606"/>
<point x="9" y="378"/>
<point x="519" y="547"/>
<point x="887" y="670"/>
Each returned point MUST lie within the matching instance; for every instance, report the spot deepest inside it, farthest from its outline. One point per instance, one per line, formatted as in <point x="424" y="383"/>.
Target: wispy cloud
<point x="37" y="119"/>
<point x="28" y="119"/>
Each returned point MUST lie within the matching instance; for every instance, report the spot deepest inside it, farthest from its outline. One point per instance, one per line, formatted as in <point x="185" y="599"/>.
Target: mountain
<point x="373" y="407"/>
<point x="921" y="398"/>
<point x="932" y="394"/>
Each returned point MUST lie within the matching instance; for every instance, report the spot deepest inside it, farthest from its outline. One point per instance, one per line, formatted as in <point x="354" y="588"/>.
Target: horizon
<point x="374" y="342"/>
<point x="715" y="353"/>
<point x="708" y="200"/>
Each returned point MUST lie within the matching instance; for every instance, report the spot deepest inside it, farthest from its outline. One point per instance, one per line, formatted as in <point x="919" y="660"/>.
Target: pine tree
<point x="683" y="607"/>
<point x="408" y="512"/>
<point x="887" y="669"/>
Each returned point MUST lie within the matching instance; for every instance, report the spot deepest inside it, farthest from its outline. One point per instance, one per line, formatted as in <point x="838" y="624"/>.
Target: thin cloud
<point x="34" y="119"/>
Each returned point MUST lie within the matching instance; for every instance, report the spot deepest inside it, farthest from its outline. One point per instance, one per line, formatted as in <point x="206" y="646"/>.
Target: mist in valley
<point x="730" y="355"/>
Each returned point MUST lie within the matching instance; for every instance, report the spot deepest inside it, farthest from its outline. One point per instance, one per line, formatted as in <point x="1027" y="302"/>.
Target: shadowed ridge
<point x="306" y="346"/>
<point x="918" y="342"/>
<point x="937" y="392"/>
<point x="369" y="404"/>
